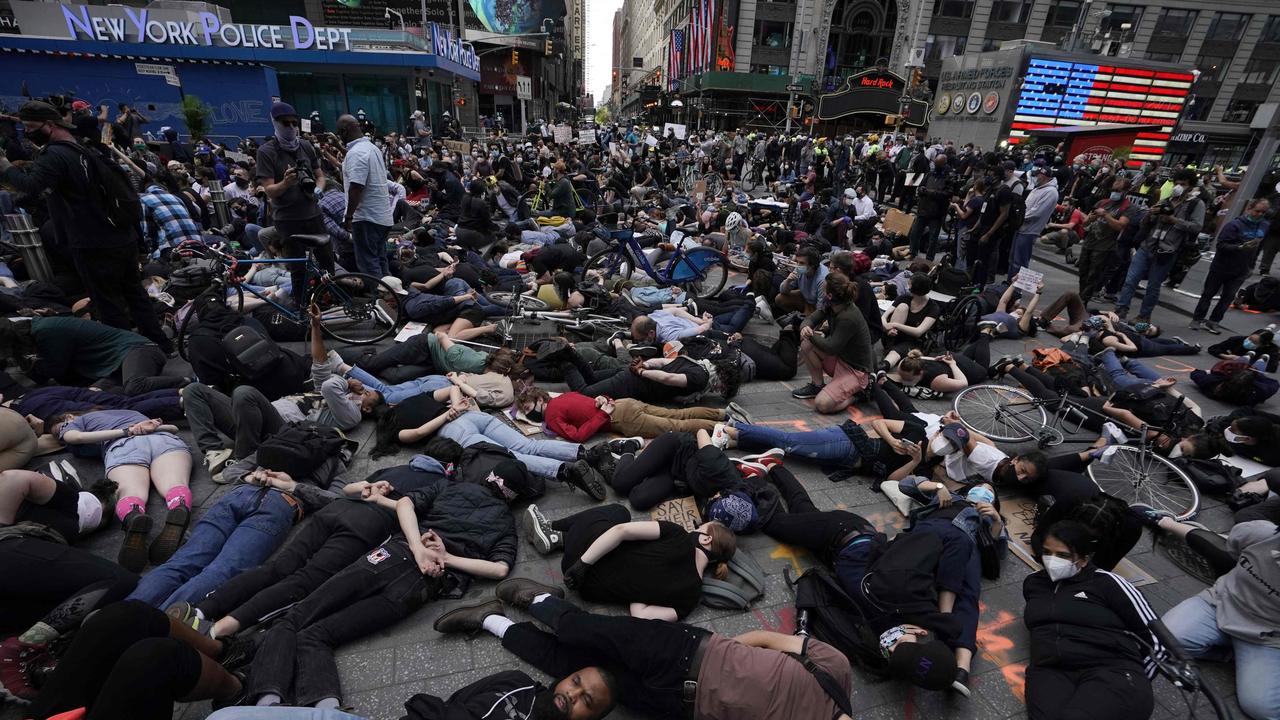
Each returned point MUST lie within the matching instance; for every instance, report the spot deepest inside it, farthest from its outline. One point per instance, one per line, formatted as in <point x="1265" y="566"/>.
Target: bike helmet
<point x="733" y="222"/>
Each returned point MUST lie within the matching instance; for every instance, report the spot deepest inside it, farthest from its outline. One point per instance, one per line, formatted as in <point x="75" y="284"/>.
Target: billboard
<point x="1065" y="93"/>
<point x="512" y="17"/>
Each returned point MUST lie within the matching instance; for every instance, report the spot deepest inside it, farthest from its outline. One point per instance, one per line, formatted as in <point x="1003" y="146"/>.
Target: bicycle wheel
<point x="715" y="184"/>
<point x="216" y="293"/>
<point x="608" y="266"/>
<point x="357" y="308"/>
<point x="1135" y="475"/>
<point x="527" y="301"/>
<point x="702" y="272"/>
<point x="748" y="181"/>
<point x="963" y="324"/>
<point x="1000" y="412"/>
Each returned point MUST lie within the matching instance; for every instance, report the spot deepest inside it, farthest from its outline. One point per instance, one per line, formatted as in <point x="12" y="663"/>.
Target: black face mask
<point x="242" y="182"/>
<point x="534" y="415"/>
<point x="712" y="558"/>
<point x="39" y="136"/>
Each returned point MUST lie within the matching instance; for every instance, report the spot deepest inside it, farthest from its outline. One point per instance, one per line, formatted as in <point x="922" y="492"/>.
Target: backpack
<point x="301" y="448"/>
<point x="1044" y="359"/>
<point x="120" y="203"/>
<point x="951" y="280"/>
<point x="186" y="283"/>
<point x="744" y="585"/>
<point x="280" y="327"/>
<point x="901" y="573"/>
<point x="1210" y="476"/>
<point x="826" y="612"/>
<point x="1017" y="209"/>
<point x="251" y="353"/>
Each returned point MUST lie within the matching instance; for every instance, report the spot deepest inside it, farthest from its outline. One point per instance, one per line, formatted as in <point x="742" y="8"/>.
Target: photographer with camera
<point x="287" y="169"/>
<point x="1168" y="225"/>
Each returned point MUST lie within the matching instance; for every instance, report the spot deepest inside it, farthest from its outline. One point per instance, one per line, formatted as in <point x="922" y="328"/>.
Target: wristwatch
<point x="939" y="487"/>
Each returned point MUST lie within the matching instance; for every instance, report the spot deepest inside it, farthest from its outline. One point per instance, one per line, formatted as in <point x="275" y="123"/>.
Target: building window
<point x="1175" y="23"/>
<point x="1198" y="108"/>
<point x="937" y="47"/>
<point x="953" y="8"/>
<point x="1120" y="16"/>
<point x="1010" y="11"/>
<point x="773" y="34"/>
<point x="769" y="69"/>
<point x="1063" y="14"/>
<point x="1261" y="72"/>
<point x="1271" y="31"/>
<point x="989" y="44"/>
<point x="1227" y="26"/>
<point x="1213" y="67"/>
<point x="1163" y="57"/>
<point x="1240" y="111"/>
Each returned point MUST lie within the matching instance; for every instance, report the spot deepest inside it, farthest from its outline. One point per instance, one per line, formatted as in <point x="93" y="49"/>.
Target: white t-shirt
<point x="982" y="460"/>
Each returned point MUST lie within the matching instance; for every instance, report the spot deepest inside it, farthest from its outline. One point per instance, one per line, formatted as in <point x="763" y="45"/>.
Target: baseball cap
<point x="396" y="285"/>
<point x="282" y="109"/>
<point x="1043" y="170"/>
<point x="850" y="194"/>
<point x="929" y="666"/>
<point x="37" y="111"/>
<point x="79" y="105"/>
<point x="957" y="434"/>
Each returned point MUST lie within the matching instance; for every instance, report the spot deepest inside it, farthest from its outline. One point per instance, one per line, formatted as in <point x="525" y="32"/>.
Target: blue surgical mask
<point x="981" y="494"/>
<point x="1249" y="344"/>
<point x="802" y="270"/>
<point x="1116" y="196"/>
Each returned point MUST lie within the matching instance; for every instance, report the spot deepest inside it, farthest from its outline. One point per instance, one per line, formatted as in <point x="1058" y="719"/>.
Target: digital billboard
<point x="1063" y="93"/>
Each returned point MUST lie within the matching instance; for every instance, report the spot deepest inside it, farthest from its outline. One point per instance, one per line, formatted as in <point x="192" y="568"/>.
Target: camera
<point x="306" y="179"/>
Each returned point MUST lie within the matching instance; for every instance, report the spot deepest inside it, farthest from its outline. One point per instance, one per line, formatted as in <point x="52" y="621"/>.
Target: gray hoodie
<point x="1246" y="600"/>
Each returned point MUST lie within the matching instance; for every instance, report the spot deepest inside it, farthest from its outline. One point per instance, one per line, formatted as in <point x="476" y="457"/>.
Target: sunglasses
<point x="290" y="123"/>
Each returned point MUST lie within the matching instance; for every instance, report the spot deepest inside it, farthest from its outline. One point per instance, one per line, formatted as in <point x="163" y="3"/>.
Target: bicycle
<point x="588" y="321"/>
<point x="1181" y="671"/>
<point x="1134" y="473"/>
<point x="354" y="307"/>
<point x="539" y="199"/>
<point x="700" y="271"/>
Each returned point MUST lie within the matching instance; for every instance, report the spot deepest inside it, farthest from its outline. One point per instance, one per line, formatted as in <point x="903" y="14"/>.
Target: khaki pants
<point x="632" y="417"/>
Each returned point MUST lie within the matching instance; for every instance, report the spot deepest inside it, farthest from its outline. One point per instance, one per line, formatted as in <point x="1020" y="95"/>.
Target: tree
<point x="602" y="115"/>
<point x="196" y="113"/>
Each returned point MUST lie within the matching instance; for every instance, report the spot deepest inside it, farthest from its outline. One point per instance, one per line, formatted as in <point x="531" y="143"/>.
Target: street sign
<point x="795" y="88"/>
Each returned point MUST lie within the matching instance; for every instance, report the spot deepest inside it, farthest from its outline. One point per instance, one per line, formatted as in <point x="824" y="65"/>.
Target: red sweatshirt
<point x="575" y="417"/>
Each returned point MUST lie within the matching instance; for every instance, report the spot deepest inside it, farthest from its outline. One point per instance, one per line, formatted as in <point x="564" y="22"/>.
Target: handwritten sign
<point x="681" y="511"/>
<point x="1028" y="280"/>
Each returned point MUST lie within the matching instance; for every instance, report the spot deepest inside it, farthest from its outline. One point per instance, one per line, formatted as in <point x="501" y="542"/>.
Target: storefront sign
<point x="451" y="48"/>
<point x="985" y="78"/>
<point x="136" y="25"/>
<point x="875" y="92"/>
<point x="1194" y="138"/>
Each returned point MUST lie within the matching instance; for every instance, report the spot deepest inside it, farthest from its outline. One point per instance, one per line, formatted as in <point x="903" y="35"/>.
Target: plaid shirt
<point x="333" y="210"/>
<point x="165" y="220"/>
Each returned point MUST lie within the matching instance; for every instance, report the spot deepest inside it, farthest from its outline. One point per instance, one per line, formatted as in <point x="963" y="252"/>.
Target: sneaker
<point x="751" y="469"/>
<point x="808" y="392"/>
<point x="987" y="324"/>
<point x="644" y="352"/>
<point x="1004" y="365"/>
<point x="1196" y="325"/>
<point x="170" y="537"/>
<point x="737" y="412"/>
<point x="237" y="652"/>
<point x="520" y="592"/>
<point x="584" y="477"/>
<point x="1212" y="327"/>
<point x="1150" y="516"/>
<point x="763" y="311"/>
<point x="133" y="551"/>
<point x="187" y="614"/>
<point x="768" y="458"/>
<point x="1113" y="434"/>
<point x="240" y="698"/>
<point x="961" y="684"/>
<point x="623" y="446"/>
<point x="537" y="530"/>
<point x="719" y="437"/>
<point x="15" y="681"/>
<point x="1262" y="362"/>
<point x="791" y="318"/>
<point x="468" y="618"/>
<point x="1188" y="344"/>
<point x="596" y="455"/>
<point x="922" y="392"/>
<point x="216" y="460"/>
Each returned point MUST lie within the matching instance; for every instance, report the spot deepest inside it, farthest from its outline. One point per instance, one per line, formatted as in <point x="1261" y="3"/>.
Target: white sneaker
<point x="1113" y="434"/>
<point x="719" y="437"/>
<point x="762" y="310"/>
<point x="216" y="460"/>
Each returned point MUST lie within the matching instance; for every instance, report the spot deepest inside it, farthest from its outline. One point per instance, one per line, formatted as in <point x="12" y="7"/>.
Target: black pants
<point x="1093" y="266"/>
<point x="651" y="476"/>
<point x="803" y="524"/>
<point x="247" y="418"/>
<point x="923" y="237"/>
<point x="114" y="283"/>
<point x="403" y="361"/>
<point x="294" y="249"/>
<point x="1219" y="280"/>
<point x="1268" y="510"/>
<point x="1119" y="692"/>
<point x="122" y="664"/>
<point x="778" y="362"/>
<point x="140" y="372"/>
<point x="1041" y="386"/>
<point x="975" y="358"/>
<point x="893" y="403"/>
<point x="36" y="575"/>
<point x="582" y="529"/>
<point x="978" y="256"/>
<point x="297" y="652"/>
<point x="332" y="539"/>
<point x="625" y="384"/>
<point x="568" y="367"/>
<point x="650" y="658"/>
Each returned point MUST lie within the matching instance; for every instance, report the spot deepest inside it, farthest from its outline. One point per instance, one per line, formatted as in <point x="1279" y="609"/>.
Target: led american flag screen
<point x="1058" y="92"/>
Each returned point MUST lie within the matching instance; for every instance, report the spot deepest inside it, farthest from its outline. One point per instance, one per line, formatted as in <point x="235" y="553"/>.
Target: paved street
<point x="380" y="672"/>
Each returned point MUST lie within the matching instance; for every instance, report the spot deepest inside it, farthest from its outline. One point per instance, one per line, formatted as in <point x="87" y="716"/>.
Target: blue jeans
<point x="1154" y="268"/>
<point x="541" y="457"/>
<point x="238" y="533"/>
<point x="1020" y="257"/>
<point x="1194" y="623"/>
<point x="281" y="712"/>
<point x="370" y="240"/>
<point x="454" y="287"/>
<point x="830" y="444"/>
<point x="733" y="321"/>
<point x="1122" y="377"/>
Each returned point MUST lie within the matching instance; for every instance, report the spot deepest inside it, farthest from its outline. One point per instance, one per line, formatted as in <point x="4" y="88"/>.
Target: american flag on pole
<point x="708" y="31"/>
<point x="676" y="53"/>
<point x="694" y="36"/>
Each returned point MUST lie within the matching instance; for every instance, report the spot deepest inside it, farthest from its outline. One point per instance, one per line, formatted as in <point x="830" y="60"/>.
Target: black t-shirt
<point x="915" y="317"/>
<point x="911" y="432"/>
<point x="933" y="370"/>
<point x="656" y="572"/>
<point x="561" y="256"/>
<point x="273" y="161"/>
<point x="998" y="197"/>
<point x="416" y="412"/>
<point x="698" y="378"/>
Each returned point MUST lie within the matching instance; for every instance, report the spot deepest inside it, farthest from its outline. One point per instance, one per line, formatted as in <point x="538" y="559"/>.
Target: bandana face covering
<point x="286" y="135"/>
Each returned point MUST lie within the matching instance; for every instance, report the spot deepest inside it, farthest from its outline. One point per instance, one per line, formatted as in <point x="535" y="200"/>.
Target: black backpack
<point x="826" y="612"/>
<point x="251" y="353"/>
<point x="1017" y="208"/>
<point x="120" y="203"/>
<point x="1209" y="475"/>
<point x="300" y="448"/>
<point x="902" y="573"/>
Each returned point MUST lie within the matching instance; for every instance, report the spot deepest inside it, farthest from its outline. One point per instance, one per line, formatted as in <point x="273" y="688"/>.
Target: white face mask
<point x="1060" y="568"/>
<point x="941" y="446"/>
<point x="1176" y="452"/>
<point x="1234" y="437"/>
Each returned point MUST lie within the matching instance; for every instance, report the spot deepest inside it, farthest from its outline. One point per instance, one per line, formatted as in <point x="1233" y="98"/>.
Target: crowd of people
<point x="245" y="598"/>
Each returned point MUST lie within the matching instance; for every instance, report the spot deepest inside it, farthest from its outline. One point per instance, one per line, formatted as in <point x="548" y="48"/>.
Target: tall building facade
<point x="759" y="48"/>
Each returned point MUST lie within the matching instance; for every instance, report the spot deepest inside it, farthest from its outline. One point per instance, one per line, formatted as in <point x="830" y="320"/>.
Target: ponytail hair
<point x="724" y="544"/>
<point x="912" y="363"/>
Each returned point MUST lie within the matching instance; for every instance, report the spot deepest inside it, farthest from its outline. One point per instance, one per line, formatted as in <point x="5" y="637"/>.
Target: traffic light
<point x="515" y="57"/>
<point x="917" y="76"/>
<point x="547" y="48"/>
<point x="462" y="101"/>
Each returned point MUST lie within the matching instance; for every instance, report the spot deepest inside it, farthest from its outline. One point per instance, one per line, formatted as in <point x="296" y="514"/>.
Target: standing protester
<point x="368" y="203"/>
<point x="934" y="195"/>
<point x="1238" y="244"/>
<point x="1040" y="203"/>
<point x="1102" y="230"/>
<point x="1168" y="226"/>
<point x="287" y="169"/>
<point x="94" y="214"/>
